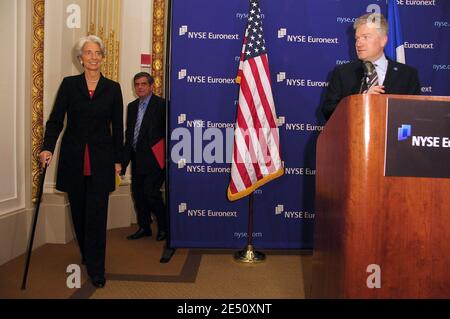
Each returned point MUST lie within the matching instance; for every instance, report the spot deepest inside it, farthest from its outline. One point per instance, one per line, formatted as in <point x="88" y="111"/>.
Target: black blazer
<point x="153" y="129"/>
<point x="97" y="122"/>
<point x="346" y="80"/>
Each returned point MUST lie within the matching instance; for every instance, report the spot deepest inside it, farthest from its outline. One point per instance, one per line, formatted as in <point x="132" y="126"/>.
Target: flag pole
<point x="169" y="251"/>
<point x="250" y="256"/>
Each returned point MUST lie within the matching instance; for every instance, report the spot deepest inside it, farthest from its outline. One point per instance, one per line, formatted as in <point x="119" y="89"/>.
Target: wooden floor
<point x="134" y="271"/>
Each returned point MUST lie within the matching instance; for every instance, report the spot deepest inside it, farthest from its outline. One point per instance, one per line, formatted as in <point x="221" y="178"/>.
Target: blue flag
<point x="395" y="47"/>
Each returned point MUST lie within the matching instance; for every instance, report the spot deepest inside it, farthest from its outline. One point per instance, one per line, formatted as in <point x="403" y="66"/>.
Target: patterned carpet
<point x="134" y="272"/>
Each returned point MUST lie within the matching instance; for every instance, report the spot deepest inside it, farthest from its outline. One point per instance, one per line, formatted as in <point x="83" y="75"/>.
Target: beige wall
<point x="136" y="39"/>
<point x="15" y="63"/>
<point x="12" y="93"/>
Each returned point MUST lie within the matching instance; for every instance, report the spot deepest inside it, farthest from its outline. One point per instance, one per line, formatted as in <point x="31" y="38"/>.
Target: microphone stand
<point x="363" y="85"/>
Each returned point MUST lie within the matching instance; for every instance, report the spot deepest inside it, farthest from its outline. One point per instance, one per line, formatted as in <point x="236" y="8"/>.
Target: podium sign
<point x="418" y="138"/>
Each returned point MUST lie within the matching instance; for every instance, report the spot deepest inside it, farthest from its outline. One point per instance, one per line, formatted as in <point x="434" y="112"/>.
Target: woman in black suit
<point x="91" y="150"/>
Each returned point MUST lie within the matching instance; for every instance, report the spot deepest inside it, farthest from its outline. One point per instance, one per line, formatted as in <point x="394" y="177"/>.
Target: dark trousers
<point x="89" y="215"/>
<point x="146" y="191"/>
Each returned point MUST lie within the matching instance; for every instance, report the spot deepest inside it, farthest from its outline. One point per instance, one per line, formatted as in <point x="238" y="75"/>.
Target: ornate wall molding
<point x="158" y="45"/>
<point x="105" y="21"/>
<point x="37" y="92"/>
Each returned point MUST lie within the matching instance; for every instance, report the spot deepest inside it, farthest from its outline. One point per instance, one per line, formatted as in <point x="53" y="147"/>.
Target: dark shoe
<point x="98" y="281"/>
<point x="161" y="235"/>
<point x="140" y="233"/>
<point x="167" y="255"/>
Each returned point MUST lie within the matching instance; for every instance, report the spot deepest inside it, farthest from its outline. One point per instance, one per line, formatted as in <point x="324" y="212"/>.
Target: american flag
<point x="256" y="154"/>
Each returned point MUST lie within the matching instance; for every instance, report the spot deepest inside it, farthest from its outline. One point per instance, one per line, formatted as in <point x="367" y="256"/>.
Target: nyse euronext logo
<point x="200" y="212"/>
<point x="441" y="67"/>
<point x="183" y="74"/>
<point x="442" y="24"/>
<point x="204" y="35"/>
<point x="288" y="126"/>
<point x="405" y="132"/>
<point x="204" y="124"/>
<point x="244" y="15"/>
<point x="423" y="46"/>
<point x="427" y="89"/>
<point x="299" y="82"/>
<point x="302" y="38"/>
<point x="280" y="211"/>
<point x="425" y="3"/>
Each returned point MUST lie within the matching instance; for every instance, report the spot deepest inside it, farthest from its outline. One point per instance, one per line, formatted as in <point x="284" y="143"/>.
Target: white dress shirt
<point x="381" y="66"/>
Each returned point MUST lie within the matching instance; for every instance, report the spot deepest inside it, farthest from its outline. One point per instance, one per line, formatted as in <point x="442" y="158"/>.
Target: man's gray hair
<point x="90" y="38"/>
<point x="376" y="19"/>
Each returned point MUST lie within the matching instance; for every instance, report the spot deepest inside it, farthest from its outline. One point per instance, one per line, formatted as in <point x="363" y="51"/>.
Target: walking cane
<point x="33" y="229"/>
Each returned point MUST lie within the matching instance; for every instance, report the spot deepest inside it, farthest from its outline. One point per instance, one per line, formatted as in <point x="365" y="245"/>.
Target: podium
<point x="376" y="236"/>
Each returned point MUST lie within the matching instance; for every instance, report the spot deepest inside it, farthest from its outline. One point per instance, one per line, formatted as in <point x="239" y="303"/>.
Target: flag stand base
<point x="249" y="256"/>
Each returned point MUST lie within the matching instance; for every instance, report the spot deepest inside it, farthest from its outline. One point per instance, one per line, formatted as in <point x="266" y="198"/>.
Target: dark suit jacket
<point x="97" y="122"/>
<point x="346" y="80"/>
<point x="153" y="129"/>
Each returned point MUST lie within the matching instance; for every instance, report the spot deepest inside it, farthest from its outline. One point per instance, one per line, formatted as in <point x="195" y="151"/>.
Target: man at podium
<point x="372" y="73"/>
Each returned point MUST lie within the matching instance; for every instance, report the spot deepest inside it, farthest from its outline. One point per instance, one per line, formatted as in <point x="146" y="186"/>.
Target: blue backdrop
<point x="305" y="41"/>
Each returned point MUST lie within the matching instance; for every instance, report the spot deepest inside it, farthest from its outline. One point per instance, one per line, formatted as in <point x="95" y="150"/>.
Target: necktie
<point x="139" y="118"/>
<point x="372" y="76"/>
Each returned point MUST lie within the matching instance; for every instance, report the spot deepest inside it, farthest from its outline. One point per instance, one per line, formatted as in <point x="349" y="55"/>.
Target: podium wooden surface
<point x="401" y="224"/>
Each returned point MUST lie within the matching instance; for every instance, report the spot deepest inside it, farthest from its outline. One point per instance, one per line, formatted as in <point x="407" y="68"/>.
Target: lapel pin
<point x="395" y="69"/>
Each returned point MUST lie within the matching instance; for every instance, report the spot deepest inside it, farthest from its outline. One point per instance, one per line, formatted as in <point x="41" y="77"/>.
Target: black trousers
<point x="89" y="209"/>
<point x="146" y="191"/>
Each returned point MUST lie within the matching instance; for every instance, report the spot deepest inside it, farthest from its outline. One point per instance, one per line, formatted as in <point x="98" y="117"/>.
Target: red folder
<point x="158" y="151"/>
